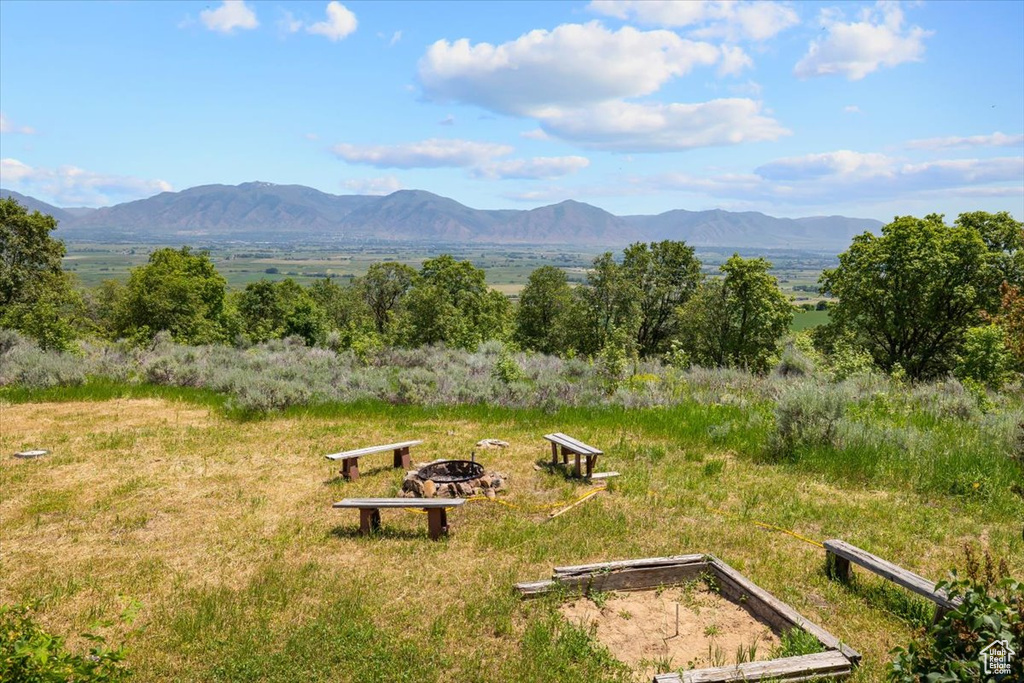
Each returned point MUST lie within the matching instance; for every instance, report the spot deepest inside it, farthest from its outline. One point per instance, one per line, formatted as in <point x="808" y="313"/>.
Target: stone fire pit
<point x="452" y="479"/>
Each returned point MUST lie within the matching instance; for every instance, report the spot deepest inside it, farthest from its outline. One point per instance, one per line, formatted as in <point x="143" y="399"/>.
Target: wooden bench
<point x="577" y="448"/>
<point x="839" y="555"/>
<point x="350" y="459"/>
<point x="436" y="509"/>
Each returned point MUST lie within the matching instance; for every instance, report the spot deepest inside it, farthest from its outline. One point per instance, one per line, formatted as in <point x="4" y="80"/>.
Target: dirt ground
<point x="639" y="628"/>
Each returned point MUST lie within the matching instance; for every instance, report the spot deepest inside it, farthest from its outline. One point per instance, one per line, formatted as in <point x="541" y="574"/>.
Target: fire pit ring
<point x="451" y="471"/>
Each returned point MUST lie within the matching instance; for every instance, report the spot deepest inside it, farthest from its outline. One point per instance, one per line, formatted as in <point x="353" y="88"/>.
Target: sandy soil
<point x="639" y="628"/>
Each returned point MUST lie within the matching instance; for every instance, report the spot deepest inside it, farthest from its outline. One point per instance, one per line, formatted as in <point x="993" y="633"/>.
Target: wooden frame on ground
<point x="837" y="661"/>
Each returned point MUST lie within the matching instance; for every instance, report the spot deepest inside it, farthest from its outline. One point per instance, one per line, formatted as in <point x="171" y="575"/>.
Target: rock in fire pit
<point x="452" y="479"/>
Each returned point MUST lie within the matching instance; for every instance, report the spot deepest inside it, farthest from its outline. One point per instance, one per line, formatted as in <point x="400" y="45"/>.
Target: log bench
<point x="350" y="459"/>
<point x="436" y="509"/>
<point x="568" y="445"/>
<point x="839" y="555"/>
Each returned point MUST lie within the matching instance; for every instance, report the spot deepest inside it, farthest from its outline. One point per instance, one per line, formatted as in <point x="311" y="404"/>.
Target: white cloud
<point x="288" y="23"/>
<point x="734" y="60"/>
<point x="843" y="176"/>
<point x="70" y="186"/>
<point x="625" y="126"/>
<point x="375" y="186"/>
<point x="230" y="15"/>
<point x="532" y="169"/>
<point x="758" y="20"/>
<point x="340" y="22"/>
<point x="994" y="140"/>
<point x="432" y="153"/>
<point x="859" y="48"/>
<point x="572" y="65"/>
<point x="535" y="134"/>
<point x="395" y="37"/>
<point x="447" y="121"/>
<point x="8" y="126"/>
<point x="851" y="109"/>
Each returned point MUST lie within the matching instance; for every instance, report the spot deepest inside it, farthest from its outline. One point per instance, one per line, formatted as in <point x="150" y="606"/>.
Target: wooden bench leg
<point x="554" y="453"/>
<point x="565" y="455"/>
<point x="591" y="461"/>
<point x="437" y="522"/>
<point x="402" y="458"/>
<point x="578" y="470"/>
<point x="369" y="520"/>
<point x="837" y="567"/>
<point x="350" y="468"/>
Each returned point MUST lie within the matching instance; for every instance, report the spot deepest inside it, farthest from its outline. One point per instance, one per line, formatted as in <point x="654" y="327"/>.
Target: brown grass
<point x="162" y="502"/>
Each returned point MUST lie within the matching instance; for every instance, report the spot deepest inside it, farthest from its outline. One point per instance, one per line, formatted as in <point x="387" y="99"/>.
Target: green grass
<point x="222" y="529"/>
<point x="805" y="320"/>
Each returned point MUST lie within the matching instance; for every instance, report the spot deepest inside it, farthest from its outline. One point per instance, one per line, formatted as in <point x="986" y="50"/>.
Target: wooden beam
<point x="829" y="664"/>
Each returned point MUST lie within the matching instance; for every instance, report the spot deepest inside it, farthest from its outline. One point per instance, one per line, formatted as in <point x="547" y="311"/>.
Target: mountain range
<point x="265" y="212"/>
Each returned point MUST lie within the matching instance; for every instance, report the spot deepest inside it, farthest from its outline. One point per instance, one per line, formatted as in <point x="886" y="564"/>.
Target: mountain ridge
<point x="259" y="211"/>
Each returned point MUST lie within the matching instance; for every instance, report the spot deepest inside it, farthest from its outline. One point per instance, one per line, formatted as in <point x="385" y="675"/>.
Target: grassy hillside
<point x="218" y="535"/>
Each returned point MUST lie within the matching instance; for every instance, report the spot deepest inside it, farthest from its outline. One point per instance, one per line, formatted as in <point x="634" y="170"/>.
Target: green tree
<point x="178" y="290"/>
<point x="36" y="295"/>
<point x="382" y="288"/>
<point x="736" y="320"/>
<point x="451" y="303"/>
<point x="609" y="306"/>
<point x="665" y="275"/>
<point x="909" y="295"/>
<point x="545" y="307"/>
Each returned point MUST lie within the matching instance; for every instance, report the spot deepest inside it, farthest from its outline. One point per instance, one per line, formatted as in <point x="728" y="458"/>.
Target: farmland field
<point x="217" y="535"/>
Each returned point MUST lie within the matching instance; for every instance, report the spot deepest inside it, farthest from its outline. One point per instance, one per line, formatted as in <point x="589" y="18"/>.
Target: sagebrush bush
<point x="805" y="416"/>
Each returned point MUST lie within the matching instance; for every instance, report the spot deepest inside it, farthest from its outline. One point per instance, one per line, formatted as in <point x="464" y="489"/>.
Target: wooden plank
<point x="603" y="475"/>
<point x="769" y="609"/>
<point x="890" y="571"/>
<point x="421" y="503"/>
<point x="786" y="670"/>
<point x="622" y="580"/>
<point x="371" y="449"/>
<point x="641" y="563"/>
<point x="572" y="444"/>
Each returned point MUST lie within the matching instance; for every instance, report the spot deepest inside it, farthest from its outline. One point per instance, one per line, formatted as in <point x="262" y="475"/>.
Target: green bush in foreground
<point x="31" y="655"/>
<point x="992" y="609"/>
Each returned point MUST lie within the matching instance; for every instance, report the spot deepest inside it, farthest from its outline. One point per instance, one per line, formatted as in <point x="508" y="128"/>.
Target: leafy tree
<point x="451" y="303"/>
<point x="909" y="295"/>
<point x="383" y="287"/>
<point x="737" y="320"/>
<point x="271" y="310"/>
<point x="545" y="307"/>
<point x="609" y="306"/>
<point x="36" y="296"/>
<point x="1011" y="319"/>
<point x="665" y="274"/>
<point x="178" y="290"/>
<point x="984" y="357"/>
<point x="1004" y="238"/>
<point x="261" y="311"/>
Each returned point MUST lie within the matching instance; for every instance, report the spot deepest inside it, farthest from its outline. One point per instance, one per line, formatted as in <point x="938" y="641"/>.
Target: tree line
<point x="921" y="299"/>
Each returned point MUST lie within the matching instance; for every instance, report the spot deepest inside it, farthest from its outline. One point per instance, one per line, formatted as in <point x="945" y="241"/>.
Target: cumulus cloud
<point x="535" y="134"/>
<point x="856" y="49"/>
<point x="432" y="153"/>
<point x="8" y="126"/>
<point x="626" y="126"/>
<point x="851" y="109"/>
<point x="758" y="21"/>
<point x="572" y="65"/>
<point x="844" y="175"/>
<point x="536" y="168"/>
<point x="72" y="186"/>
<point x="340" y="22"/>
<point x="734" y="61"/>
<point x="994" y="140"/>
<point x="375" y="186"/>
<point x="231" y="15"/>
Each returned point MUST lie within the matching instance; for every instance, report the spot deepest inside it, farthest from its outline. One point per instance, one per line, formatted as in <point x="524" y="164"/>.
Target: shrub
<point x="805" y="416"/>
<point x="992" y="609"/>
<point x="29" y="654"/>
<point x="985" y="358"/>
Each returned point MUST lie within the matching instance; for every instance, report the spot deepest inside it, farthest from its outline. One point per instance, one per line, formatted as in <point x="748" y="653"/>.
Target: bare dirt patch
<point x="639" y="628"/>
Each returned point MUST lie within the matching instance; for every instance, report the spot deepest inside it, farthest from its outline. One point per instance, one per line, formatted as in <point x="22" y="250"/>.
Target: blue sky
<point x="793" y="109"/>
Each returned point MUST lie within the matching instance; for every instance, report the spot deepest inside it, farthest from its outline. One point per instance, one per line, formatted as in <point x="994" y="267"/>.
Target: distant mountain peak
<point x="264" y="211"/>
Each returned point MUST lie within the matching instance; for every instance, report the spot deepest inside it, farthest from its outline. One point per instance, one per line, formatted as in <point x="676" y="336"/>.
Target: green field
<point x="218" y="537"/>
<point x="805" y="320"/>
